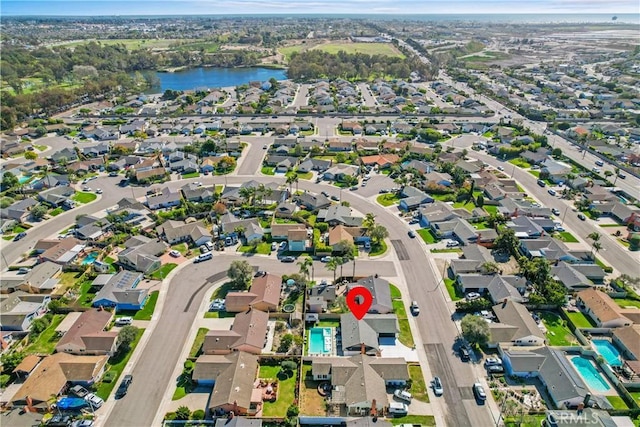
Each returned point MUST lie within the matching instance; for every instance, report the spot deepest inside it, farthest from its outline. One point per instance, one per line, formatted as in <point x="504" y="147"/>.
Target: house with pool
<point x="366" y="335"/>
<point x="628" y="340"/>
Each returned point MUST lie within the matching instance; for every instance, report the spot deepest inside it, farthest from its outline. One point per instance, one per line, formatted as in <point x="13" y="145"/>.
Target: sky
<point x="222" y="7"/>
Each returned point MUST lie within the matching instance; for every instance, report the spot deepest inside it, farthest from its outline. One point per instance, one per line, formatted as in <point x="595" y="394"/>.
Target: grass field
<point x="134" y="44"/>
<point x="388" y="199"/>
<point x="453" y="290"/>
<point x="36" y="84"/>
<point x="386" y="49"/>
<point x="520" y="162"/>
<point x="395" y="292"/>
<point x="197" y="342"/>
<point x="422" y="420"/>
<point x="47" y="340"/>
<point x="617" y="402"/>
<point x="163" y="271"/>
<point x="626" y="302"/>
<point x="147" y="312"/>
<point x="486" y="57"/>
<point x="82" y="197"/>
<point x="116" y="365"/>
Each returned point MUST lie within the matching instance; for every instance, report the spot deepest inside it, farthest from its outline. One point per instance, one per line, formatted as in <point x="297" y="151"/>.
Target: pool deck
<point x="612" y="390"/>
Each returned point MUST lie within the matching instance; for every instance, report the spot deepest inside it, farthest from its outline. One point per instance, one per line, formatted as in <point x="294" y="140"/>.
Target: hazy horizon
<point x="300" y="7"/>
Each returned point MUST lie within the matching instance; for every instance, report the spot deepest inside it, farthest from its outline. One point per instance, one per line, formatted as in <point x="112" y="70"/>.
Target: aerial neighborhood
<point x="191" y="255"/>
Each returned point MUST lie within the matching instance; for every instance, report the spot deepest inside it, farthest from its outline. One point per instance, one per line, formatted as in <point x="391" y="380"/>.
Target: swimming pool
<point x="609" y="351"/>
<point x="590" y="374"/>
<point x="90" y="259"/>
<point x="22" y="179"/>
<point x="320" y="341"/>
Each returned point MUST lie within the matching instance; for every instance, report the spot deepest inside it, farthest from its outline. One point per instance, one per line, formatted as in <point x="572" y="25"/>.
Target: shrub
<point x="183" y="413"/>
<point x="4" y="380"/>
<point x="188" y="365"/>
<point x="322" y="226"/>
<point x="170" y="416"/>
<point x="198" y="414"/>
<point x="280" y="326"/>
<point x="288" y="365"/>
<point x="292" y="411"/>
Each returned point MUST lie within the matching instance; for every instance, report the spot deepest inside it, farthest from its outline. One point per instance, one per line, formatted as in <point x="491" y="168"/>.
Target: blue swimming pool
<point x="320" y="341"/>
<point x="90" y="259"/>
<point x="609" y="351"/>
<point x="24" y="179"/>
<point x="589" y="373"/>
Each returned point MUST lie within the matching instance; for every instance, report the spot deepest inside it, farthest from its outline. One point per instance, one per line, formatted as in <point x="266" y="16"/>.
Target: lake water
<point x="215" y="77"/>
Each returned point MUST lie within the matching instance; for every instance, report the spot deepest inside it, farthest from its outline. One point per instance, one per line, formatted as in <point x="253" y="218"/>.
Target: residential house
<point x="472" y="260"/>
<point x="555" y="170"/>
<point x="19" y="210"/>
<point x="340" y="233"/>
<point x="122" y="293"/>
<point x="576" y="277"/>
<point x="285" y="210"/>
<point x="412" y="198"/>
<point x="298" y="240"/>
<point x="603" y="310"/>
<point x="87" y="335"/>
<point x="498" y="287"/>
<point x="503" y="188"/>
<point x="380" y="291"/>
<point x="553" y="250"/>
<point x="535" y="157"/>
<point x="339" y="171"/>
<point x="623" y="214"/>
<point x="57" y="197"/>
<point x="627" y="339"/>
<point x="281" y="231"/>
<point x="313" y="164"/>
<point x="233" y="377"/>
<point x="52" y="376"/>
<point x="595" y="417"/>
<point x="41" y="279"/>
<point x="65" y="252"/>
<point x="264" y="295"/>
<point x="65" y="156"/>
<point x="198" y="194"/>
<point x="142" y="253"/>
<point x="338" y="214"/>
<point x="233" y="421"/>
<point x="365" y="335"/>
<point x="440" y="212"/>
<point x="195" y="233"/>
<point x="312" y="202"/>
<point x="512" y="207"/>
<point x="359" y="382"/>
<point x="525" y="227"/>
<point x="458" y="229"/>
<point x="319" y="297"/>
<point x="167" y="198"/>
<point x="247" y="334"/>
<point x="516" y="326"/>
<point x="19" y="309"/>
<point x="50" y="181"/>
<point x="381" y="160"/>
<point x="251" y="228"/>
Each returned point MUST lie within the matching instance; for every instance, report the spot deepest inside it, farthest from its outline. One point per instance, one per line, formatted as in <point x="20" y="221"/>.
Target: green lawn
<point x="520" y="162"/>
<point x="183" y="248"/>
<point x="56" y="211"/>
<point x="378" y="248"/>
<point x="626" y="302"/>
<point x="399" y="309"/>
<point x="483" y="225"/>
<point x="470" y="206"/>
<point x="197" y="343"/>
<point x="267" y="170"/>
<point x="617" y="402"/>
<point x="636" y="396"/>
<point x="557" y="333"/>
<point x="147" y="311"/>
<point x="427" y="235"/>
<point x="395" y="292"/>
<point x="405" y="336"/>
<point x="567" y="237"/>
<point x="191" y="175"/>
<point x="444" y="251"/>
<point x="328" y="324"/>
<point x="535" y="173"/>
<point x="47" y="340"/>
<point x="286" y="392"/>
<point x="163" y="271"/>
<point x="386" y="49"/>
<point x="83" y="197"/>
<point x="132" y="44"/>
<point x="422" y="420"/>
<point x="579" y="319"/>
<point x="418" y="386"/>
<point x="388" y="199"/>
<point x="85" y="298"/>
<point x="218" y="314"/>
<point x="524" y="420"/>
<point x="262" y="248"/>
<point x="453" y="290"/>
<point x="115" y="365"/>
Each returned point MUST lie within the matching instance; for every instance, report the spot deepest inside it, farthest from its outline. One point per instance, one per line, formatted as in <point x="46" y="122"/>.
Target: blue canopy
<point x="71" y="403"/>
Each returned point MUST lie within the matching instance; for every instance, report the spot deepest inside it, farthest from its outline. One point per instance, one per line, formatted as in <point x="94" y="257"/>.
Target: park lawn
<point x="427" y="235"/>
<point x="579" y="319"/>
<point x="567" y="237"/>
<point x="395" y="292"/>
<point x="405" y="336"/>
<point x="557" y="333"/>
<point x="263" y="248"/>
<point x="47" y="340"/>
<point x="470" y="206"/>
<point x="388" y="199"/>
<point x="418" y="386"/>
<point x="386" y="49"/>
<point x="453" y="290"/>
<point x="163" y="271"/>
<point x="191" y="175"/>
<point x="197" y="343"/>
<point x="83" y="197"/>
<point x="378" y="248"/>
<point x="287" y="51"/>
<point x="626" y="302"/>
<point x="617" y="402"/>
<point x="520" y="162"/>
<point x="56" y="211"/>
<point x="286" y="392"/>
<point x="116" y="365"/>
<point x="398" y="309"/>
<point x="147" y="311"/>
<point x="422" y="420"/>
<point x="267" y="170"/>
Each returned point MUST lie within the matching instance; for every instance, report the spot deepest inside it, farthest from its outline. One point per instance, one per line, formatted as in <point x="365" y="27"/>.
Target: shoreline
<point x="187" y="68"/>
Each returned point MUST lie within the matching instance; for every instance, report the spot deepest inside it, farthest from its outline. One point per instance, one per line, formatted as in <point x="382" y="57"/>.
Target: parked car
<point x="551" y="191"/>
<point x="283" y="246"/>
<point x="274" y="246"/>
<point x="495" y="369"/>
<point x="20" y="236"/>
<point x="23" y="270"/>
<point x="412" y="234"/>
<point x="288" y="259"/>
<point x="555" y="211"/>
<point x="79" y="391"/>
<point x="203" y="257"/>
<point x="94" y="400"/>
<point x="595" y="170"/>
<point x="464" y="354"/>
<point x="354" y="188"/>
<point x="260" y="273"/>
<point x="415" y="309"/>
<point x="438" y="390"/>
<point x="492" y="361"/>
<point x="541" y="183"/>
<point x="599" y="163"/>
<point x="81" y="423"/>
<point x="124" y="386"/>
<point x="472" y="296"/>
<point x="174" y="253"/>
<point x="113" y="174"/>
<point x="398" y="408"/>
<point x="325" y="259"/>
<point x="325" y="194"/>
<point x="478" y="392"/>
<point x="204" y="249"/>
<point x="453" y="244"/>
<point x="123" y="321"/>
<point x="581" y="217"/>
<point x="402" y="395"/>
<point x="98" y="190"/>
<point x="622" y="176"/>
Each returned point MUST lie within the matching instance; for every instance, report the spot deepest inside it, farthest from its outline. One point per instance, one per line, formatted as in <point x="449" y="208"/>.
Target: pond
<point x="214" y="77"/>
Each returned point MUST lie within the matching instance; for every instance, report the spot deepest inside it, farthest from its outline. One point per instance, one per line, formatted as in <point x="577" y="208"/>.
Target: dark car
<point x="288" y="259"/>
<point x="123" y="182"/>
<point x="581" y="217"/>
<point x="124" y="386"/>
<point x="479" y="393"/>
<point x="260" y="273"/>
<point x="20" y="236"/>
<point x="412" y="234"/>
<point x="465" y="356"/>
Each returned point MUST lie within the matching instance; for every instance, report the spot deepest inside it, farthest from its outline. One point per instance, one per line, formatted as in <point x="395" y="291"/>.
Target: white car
<point x="491" y="361"/>
<point x="274" y="246"/>
<point x="98" y="190"/>
<point x="283" y="246"/>
<point x="86" y="188"/>
<point x="403" y="395"/>
<point x="94" y="400"/>
<point x="325" y="259"/>
<point x="174" y="253"/>
<point x="472" y="296"/>
<point x="453" y="244"/>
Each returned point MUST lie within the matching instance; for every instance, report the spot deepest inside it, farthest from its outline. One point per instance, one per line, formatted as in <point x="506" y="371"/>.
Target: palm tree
<point x="291" y="178"/>
<point x="369" y="221"/>
<point x="596" y="247"/>
<point x="617" y="172"/>
<point x="595" y="236"/>
<point x="247" y="194"/>
<point x="332" y="265"/>
<point x="304" y="264"/>
<point x="349" y="255"/>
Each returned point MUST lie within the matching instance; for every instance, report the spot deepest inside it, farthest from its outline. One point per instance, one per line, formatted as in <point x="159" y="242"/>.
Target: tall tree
<point x="305" y="264"/>
<point x="240" y="273"/>
<point x="475" y="329"/>
<point x="332" y="265"/>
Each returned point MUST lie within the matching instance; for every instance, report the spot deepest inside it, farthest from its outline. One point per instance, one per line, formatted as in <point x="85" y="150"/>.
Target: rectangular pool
<point x="590" y="374"/>
<point x="320" y="341"/>
<point x="609" y="351"/>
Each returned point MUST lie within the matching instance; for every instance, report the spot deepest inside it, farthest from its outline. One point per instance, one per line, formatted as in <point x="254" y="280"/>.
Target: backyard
<point x="557" y="333"/>
<point x="285" y="394"/>
<point x="311" y="403"/>
<point x="579" y="320"/>
<point x="47" y="340"/>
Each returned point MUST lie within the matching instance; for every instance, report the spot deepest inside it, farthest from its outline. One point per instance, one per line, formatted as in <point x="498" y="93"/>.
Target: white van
<point x="122" y="321"/>
<point x="397" y="408"/>
<point x="203" y="257"/>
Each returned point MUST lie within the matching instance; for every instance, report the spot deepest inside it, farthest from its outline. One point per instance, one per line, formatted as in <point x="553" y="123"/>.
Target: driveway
<point x="397" y="349"/>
